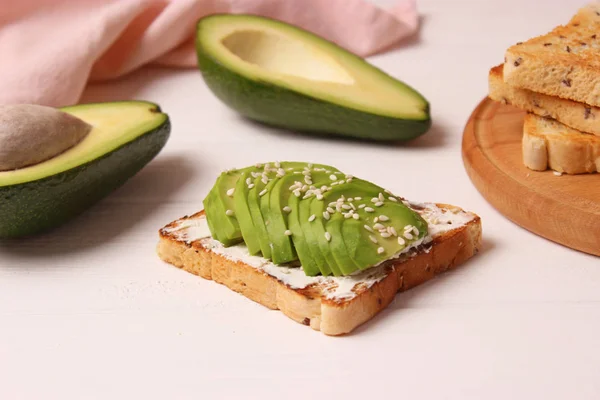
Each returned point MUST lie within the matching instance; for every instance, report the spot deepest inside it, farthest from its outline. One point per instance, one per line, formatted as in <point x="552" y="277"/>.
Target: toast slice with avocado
<point x="582" y="117"/>
<point x="549" y="144"/>
<point x="563" y="63"/>
<point x="327" y="249"/>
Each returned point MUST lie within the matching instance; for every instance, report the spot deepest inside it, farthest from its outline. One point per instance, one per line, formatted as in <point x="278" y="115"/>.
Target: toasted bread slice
<point x="563" y="63"/>
<point x="571" y="113"/>
<point x="550" y="144"/>
<point x="333" y="305"/>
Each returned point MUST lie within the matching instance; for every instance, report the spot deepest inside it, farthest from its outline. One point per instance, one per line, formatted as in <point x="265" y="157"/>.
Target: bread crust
<point x="580" y="116"/>
<point x="309" y="306"/>
<point x="549" y="144"/>
<point x="562" y="63"/>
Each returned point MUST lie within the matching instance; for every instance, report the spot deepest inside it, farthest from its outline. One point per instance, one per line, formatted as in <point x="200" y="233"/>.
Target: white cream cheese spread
<point x="439" y="221"/>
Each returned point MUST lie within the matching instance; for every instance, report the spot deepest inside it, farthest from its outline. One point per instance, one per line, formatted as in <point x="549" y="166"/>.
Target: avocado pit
<point x="31" y="134"/>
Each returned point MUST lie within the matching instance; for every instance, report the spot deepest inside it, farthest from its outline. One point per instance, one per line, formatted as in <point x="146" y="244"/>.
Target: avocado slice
<point x="345" y="195"/>
<point x="284" y="76"/>
<point x="368" y="240"/>
<point x="242" y="212"/>
<point x="125" y="137"/>
<point x="275" y="207"/>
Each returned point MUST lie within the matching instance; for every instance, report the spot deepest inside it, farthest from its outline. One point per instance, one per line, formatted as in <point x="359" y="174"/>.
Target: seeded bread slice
<point x="571" y="113"/>
<point x="335" y="306"/>
<point x="550" y="144"/>
<point x="563" y="63"/>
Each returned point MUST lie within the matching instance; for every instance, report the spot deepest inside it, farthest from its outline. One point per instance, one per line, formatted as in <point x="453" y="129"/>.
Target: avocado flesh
<point x="227" y="228"/>
<point x="355" y="188"/>
<point x="357" y="238"/>
<point x="125" y="137"/>
<point x="282" y="250"/>
<point x="243" y="215"/>
<point x="284" y="76"/>
<point x="279" y="193"/>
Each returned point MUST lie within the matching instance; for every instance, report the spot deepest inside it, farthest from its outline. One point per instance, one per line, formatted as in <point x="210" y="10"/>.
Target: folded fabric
<point x="50" y="49"/>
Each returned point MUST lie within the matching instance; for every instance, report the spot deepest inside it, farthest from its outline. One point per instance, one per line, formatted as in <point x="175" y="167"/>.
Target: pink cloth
<point x="50" y="49"/>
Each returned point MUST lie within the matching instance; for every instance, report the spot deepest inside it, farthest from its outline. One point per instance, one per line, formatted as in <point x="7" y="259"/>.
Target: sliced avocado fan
<point x="124" y="137"/>
<point x="330" y="222"/>
<point x="284" y="76"/>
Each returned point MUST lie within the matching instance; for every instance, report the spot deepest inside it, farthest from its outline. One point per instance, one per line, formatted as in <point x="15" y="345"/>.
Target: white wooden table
<point x="90" y="312"/>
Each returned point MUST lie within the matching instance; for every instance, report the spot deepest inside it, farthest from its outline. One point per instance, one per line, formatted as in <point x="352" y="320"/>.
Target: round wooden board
<point x="564" y="209"/>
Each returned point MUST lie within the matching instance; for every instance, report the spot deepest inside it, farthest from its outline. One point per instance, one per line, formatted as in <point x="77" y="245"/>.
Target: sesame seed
<point x="248" y="181"/>
<point x="326" y="215"/>
<point x="346" y="207"/>
<point x="383" y="218"/>
<point x="332" y="204"/>
<point x="361" y="206"/>
<point x="306" y="172"/>
<point x="374" y="200"/>
<point x="393" y="199"/>
<point x="387" y="191"/>
<point x="287" y="233"/>
<point x="341" y="182"/>
<point x="308" y="181"/>
<point x="369" y="209"/>
<point x="264" y="180"/>
<point x="380" y="250"/>
<point x="408" y="235"/>
<point x="258" y="165"/>
<point x="392" y="230"/>
<point x="358" y="198"/>
<point x="367" y="227"/>
<point x="330" y="210"/>
<point x="287" y="209"/>
<point x="385" y="234"/>
<point x="319" y="196"/>
<point x="328" y="236"/>
<point x="356" y="216"/>
<point x="311" y="218"/>
<point x="297" y="193"/>
<point x="263" y="192"/>
<point x="230" y="192"/>
<point x="280" y="172"/>
<point x="304" y="188"/>
<point x="373" y="238"/>
<point x="250" y="186"/>
<point x="310" y="165"/>
<point x="378" y="226"/>
<point x="401" y="241"/>
<point x="324" y="188"/>
<point x="277" y="164"/>
<point x="379" y="204"/>
<point x="376" y="219"/>
<point x="415" y="230"/>
<point x="350" y="199"/>
<point x="408" y="228"/>
<point x="348" y="215"/>
<point x="333" y="177"/>
<point x="229" y="213"/>
<point x="290" y="168"/>
<point x="381" y="198"/>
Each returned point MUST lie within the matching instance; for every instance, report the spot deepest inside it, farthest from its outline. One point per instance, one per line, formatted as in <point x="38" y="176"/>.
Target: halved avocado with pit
<point x="124" y="138"/>
<point x="284" y="76"/>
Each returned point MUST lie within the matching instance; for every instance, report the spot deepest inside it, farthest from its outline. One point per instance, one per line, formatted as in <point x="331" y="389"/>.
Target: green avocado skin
<point x="34" y="207"/>
<point x="280" y="107"/>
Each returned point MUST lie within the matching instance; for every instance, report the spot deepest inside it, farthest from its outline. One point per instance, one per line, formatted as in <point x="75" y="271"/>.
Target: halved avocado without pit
<point x="125" y="136"/>
<point x="284" y="76"/>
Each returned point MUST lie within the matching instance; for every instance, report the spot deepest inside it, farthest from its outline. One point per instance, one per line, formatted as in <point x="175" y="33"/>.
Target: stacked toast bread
<point x="555" y="78"/>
